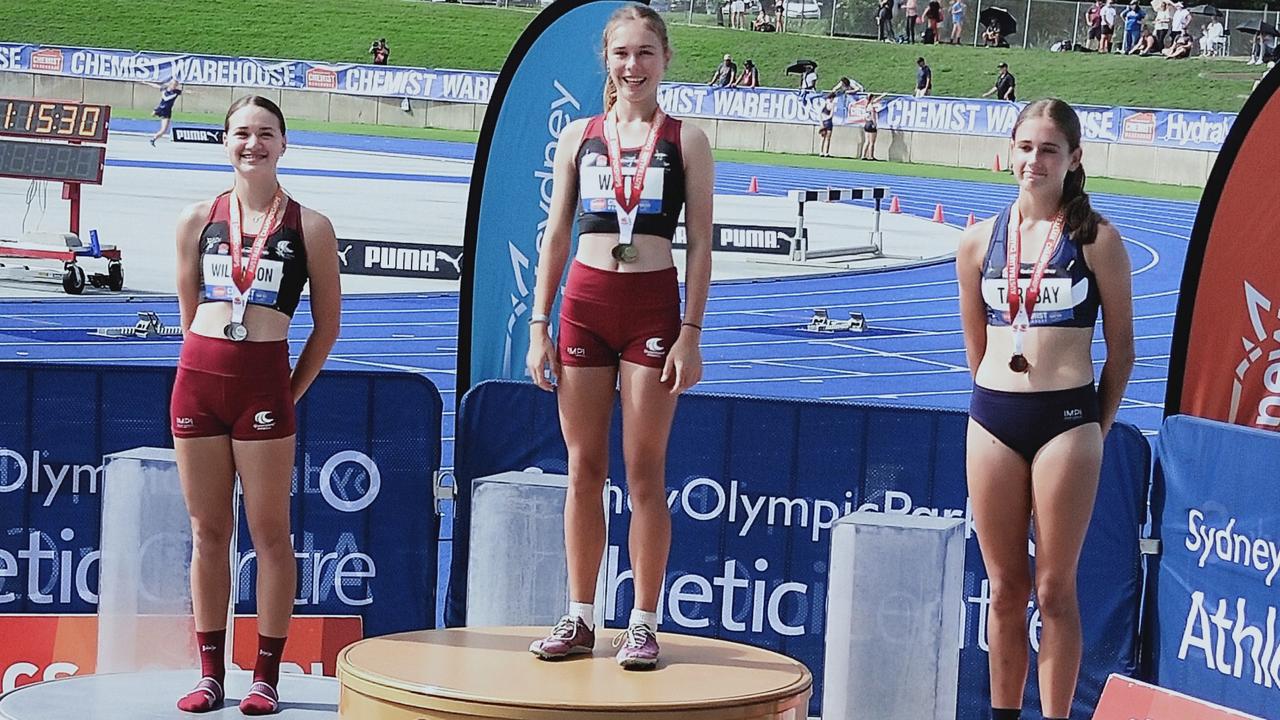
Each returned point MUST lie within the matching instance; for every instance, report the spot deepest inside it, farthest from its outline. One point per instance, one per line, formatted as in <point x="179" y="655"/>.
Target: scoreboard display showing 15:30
<point x="54" y="120"/>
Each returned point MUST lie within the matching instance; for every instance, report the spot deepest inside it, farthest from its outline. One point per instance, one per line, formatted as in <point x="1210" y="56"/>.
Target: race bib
<point x="595" y="187"/>
<point x="219" y="286"/>
<point x="1058" y="297"/>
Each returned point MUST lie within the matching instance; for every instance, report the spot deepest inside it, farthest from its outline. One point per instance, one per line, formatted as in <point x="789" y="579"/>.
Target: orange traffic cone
<point x="893" y="205"/>
<point x="971" y="219"/>
<point x="937" y="214"/>
<point x="754" y="187"/>
<point x="995" y="164"/>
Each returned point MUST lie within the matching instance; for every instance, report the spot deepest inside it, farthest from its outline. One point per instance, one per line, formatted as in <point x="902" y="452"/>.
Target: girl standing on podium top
<point x="626" y="174"/>
<point x="1032" y="282"/>
<point x="243" y="259"/>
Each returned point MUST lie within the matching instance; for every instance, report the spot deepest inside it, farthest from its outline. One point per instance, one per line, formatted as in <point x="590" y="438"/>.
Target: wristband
<point x="536" y="318"/>
<point x="692" y="325"/>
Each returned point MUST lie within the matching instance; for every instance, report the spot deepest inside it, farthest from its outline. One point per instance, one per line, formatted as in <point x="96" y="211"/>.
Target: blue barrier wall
<point x="754" y="485"/>
<point x="364" y="526"/>
<point x="1217" y="592"/>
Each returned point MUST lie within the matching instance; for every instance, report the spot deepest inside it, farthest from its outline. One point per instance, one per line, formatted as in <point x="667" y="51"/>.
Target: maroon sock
<point x="213" y="653"/>
<point x="207" y="695"/>
<point x="267" y="669"/>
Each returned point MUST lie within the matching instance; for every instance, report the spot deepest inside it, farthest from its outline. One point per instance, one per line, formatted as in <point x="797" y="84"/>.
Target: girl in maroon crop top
<point x="242" y="260"/>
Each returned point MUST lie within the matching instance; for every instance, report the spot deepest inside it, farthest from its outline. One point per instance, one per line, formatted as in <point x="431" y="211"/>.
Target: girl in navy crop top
<point x="1032" y="283"/>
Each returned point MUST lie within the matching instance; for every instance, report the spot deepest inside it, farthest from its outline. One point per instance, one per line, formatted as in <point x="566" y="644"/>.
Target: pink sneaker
<point x="639" y="648"/>
<point x="570" y="636"/>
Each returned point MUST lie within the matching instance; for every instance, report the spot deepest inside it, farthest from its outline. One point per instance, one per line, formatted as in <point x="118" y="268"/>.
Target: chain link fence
<point x="1041" y="23"/>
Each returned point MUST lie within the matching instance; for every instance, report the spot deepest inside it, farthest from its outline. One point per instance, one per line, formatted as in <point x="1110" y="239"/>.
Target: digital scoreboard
<point x="52" y="161"/>
<point x="54" y="120"/>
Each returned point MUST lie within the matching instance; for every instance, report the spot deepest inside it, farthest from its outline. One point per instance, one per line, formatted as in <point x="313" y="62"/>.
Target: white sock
<point x="585" y="612"/>
<point x="640" y="617"/>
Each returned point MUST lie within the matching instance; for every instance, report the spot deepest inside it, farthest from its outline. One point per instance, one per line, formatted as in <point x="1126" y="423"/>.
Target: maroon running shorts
<point x="606" y="316"/>
<point x="239" y="389"/>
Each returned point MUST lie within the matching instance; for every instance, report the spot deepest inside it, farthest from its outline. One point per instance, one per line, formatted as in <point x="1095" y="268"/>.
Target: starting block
<point x="822" y="322"/>
<point x="148" y="325"/>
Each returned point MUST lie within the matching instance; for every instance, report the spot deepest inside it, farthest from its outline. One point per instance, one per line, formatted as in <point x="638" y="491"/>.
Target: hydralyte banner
<point x="554" y="75"/>
<point x="1190" y="129"/>
<point x="1217" y="608"/>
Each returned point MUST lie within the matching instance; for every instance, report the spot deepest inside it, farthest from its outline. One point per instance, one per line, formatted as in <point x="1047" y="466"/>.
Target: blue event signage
<point x="1189" y="129"/>
<point x="554" y="75"/>
<point x="364" y="530"/>
<point x="754" y="485"/>
<point x="1217" y="589"/>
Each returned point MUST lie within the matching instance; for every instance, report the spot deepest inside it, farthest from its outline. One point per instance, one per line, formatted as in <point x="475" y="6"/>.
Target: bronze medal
<point x="625" y="253"/>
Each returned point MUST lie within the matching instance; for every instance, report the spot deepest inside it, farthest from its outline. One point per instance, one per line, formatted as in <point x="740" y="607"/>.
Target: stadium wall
<point x="1128" y="162"/>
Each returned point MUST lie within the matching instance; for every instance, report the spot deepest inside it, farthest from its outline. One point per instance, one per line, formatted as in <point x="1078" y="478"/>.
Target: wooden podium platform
<point x="467" y="673"/>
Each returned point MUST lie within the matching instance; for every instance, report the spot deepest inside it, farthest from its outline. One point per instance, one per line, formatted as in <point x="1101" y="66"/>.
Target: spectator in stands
<point x="1179" y="48"/>
<point x="1181" y="21"/>
<point x="1005" y="82"/>
<point x="924" y="78"/>
<point x="993" y="36"/>
<point x="870" y="127"/>
<point x="909" y="8"/>
<point x="1132" y="25"/>
<point x="884" y="21"/>
<point x="1036" y="422"/>
<point x="957" y="20"/>
<point x="380" y="52"/>
<point x="826" y="118"/>
<point x="847" y="86"/>
<point x="763" y="22"/>
<point x="809" y="80"/>
<point x="932" y="19"/>
<point x="1093" y="20"/>
<point x="750" y="76"/>
<point x="1164" y="18"/>
<point x="1146" y="44"/>
<point x="1110" y="13"/>
<point x="725" y="72"/>
<point x="1212" y="37"/>
<point x="780" y="14"/>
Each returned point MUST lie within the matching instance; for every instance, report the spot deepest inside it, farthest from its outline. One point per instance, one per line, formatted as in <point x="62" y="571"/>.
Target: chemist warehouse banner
<point x="1218" y="585"/>
<point x="754" y="485"/>
<point x="1191" y="129"/>
<point x="1225" y="359"/>
<point x="553" y="76"/>
<point x="456" y="86"/>
<point x="364" y="530"/>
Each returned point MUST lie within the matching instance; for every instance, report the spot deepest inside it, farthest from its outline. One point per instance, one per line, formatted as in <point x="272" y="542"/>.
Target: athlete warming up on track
<point x="1032" y="282"/>
<point x="626" y="174"/>
<point x="243" y="259"/>
<point x="169" y="93"/>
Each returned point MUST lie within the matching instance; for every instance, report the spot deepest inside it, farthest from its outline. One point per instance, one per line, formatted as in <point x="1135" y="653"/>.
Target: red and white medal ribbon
<point x="1020" y="309"/>
<point x="244" y="272"/>
<point x="627" y="200"/>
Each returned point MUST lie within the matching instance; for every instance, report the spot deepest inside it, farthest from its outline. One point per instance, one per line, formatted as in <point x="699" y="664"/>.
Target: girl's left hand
<point x="684" y="362"/>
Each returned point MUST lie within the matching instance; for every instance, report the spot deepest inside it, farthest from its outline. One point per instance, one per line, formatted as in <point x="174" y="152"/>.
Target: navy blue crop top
<point x="662" y="198"/>
<point x="282" y="270"/>
<point x="1068" y="292"/>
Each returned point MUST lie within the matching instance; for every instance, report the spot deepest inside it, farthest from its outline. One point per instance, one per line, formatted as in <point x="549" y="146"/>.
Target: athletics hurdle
<point x="800" y="250"/>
